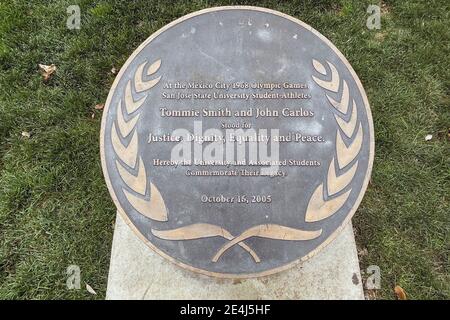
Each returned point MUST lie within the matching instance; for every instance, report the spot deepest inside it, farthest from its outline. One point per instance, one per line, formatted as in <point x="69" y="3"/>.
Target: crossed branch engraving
<point x="202" y="230"/>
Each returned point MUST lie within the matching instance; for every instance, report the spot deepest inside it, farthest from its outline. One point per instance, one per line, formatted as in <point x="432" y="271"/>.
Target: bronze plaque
<point x="237" y="141"/>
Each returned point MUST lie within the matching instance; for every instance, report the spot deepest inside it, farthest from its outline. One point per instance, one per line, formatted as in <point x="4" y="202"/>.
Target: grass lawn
<point x="54" y="206"/>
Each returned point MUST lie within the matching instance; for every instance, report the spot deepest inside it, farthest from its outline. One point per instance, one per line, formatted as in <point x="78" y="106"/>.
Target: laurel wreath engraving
<point x="319" y="208"/>
<point x="324" y="202"/>
<point x="129" y="164"/>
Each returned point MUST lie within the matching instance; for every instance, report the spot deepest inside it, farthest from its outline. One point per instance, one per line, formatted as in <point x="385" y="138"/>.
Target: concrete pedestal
<point x="137" y="272"/>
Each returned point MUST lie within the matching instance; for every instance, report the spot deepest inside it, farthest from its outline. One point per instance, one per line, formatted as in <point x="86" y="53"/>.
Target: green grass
<point x="54" y="207"/>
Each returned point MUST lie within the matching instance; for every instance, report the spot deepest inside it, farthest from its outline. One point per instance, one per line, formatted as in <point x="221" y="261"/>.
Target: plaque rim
<point x="332" y="236"/>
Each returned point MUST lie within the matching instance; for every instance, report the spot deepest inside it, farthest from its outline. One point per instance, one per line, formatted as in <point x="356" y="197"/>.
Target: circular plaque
<point x="237" y="141"/>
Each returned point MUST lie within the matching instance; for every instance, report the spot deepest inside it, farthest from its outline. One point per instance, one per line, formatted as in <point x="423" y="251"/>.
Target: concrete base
<point x="137" y="272"/>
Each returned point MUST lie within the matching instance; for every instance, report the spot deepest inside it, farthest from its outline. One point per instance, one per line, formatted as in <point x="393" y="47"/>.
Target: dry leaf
<point x="93" y="115"/>
<point x="26" y="134"/>
<point x="99" y="106"/>
<point x="428" y="137"/>
<point x="113" y="70"/>
<point x="400" y="293"/>
<point x="90" y="290"/>
<point x="47" y="71"/>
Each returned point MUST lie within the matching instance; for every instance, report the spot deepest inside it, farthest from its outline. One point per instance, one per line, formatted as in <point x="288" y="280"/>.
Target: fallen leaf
<point x="90" y="290"/>
<point x="113" y="70"/>
<point x="428" y="137"/>
<point x="47" y="71"/>
<point x="99" y="106"/>
<point x="26" y="134"/>
<point x="93" y="115"/>
<point x="400" y="293"/>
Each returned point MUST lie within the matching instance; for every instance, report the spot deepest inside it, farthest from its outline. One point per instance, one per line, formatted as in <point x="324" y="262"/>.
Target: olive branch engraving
<point x="319" y="208"/>
<point x="130" y="165"/>
<point x="149" y="202"/>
